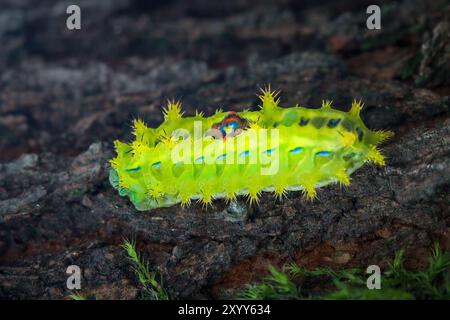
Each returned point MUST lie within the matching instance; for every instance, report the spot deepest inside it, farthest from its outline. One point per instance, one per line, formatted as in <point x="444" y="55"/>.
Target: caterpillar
<point x="230" y="154"/>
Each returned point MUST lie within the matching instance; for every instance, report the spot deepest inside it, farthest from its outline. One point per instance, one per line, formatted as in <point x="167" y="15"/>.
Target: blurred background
<point x="61" y="89"/>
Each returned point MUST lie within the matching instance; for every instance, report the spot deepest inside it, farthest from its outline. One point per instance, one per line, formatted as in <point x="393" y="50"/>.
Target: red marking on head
<point x="230" y="118"/>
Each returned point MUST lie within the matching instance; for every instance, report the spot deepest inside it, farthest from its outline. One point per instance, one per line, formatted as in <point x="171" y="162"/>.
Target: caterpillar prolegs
<point x="232" y="154"/>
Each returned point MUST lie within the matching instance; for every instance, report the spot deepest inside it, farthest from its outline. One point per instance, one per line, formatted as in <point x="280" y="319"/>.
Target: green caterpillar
<point x="231" y="154"/>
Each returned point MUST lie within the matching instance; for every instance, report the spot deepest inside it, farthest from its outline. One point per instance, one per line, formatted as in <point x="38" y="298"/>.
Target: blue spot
<point x="304" y="121"/>
<point x="332" y="123"/>
<point x="360" y="134"/>
<point x="296" y="150"/>
<point x="223" y="156"/>
<point x="269" y="151"/>
<point x="244" y="154"/>
<point x="323" y="153"/>
<point x="134" y="169"/>
<point x="233" y="124"/>
<point x="179" y="163"/>
<point x="156" y="164"/>
<point x="200" y="159"/>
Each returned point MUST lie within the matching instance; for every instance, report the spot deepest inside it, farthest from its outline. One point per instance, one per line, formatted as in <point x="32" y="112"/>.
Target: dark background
<point x="66" y="95"/>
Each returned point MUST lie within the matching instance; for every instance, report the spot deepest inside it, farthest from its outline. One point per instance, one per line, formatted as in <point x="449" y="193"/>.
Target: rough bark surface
<point x="66" y="95"/>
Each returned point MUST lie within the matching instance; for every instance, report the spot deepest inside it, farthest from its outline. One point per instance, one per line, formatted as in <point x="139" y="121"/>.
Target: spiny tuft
<point x="310" y="192"/>
<point x="382" y="136"/>
<point x="374" y="155"/>
<point x="343" y="178"/>
<point x="356" y="107"/>
<point x="326" y="104"/>
<point x="173" y="110"/>
<point x="269" y="98"/>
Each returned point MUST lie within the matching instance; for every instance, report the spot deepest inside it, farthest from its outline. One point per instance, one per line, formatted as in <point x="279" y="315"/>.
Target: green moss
<point x="152" y="289"/>
<point x="77" y="296"/>
<point x="396" y="282"/>
<point x="275" y="286"/>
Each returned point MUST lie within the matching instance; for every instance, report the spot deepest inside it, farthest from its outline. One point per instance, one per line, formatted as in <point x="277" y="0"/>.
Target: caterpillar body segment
<point x="232" y="154"/>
